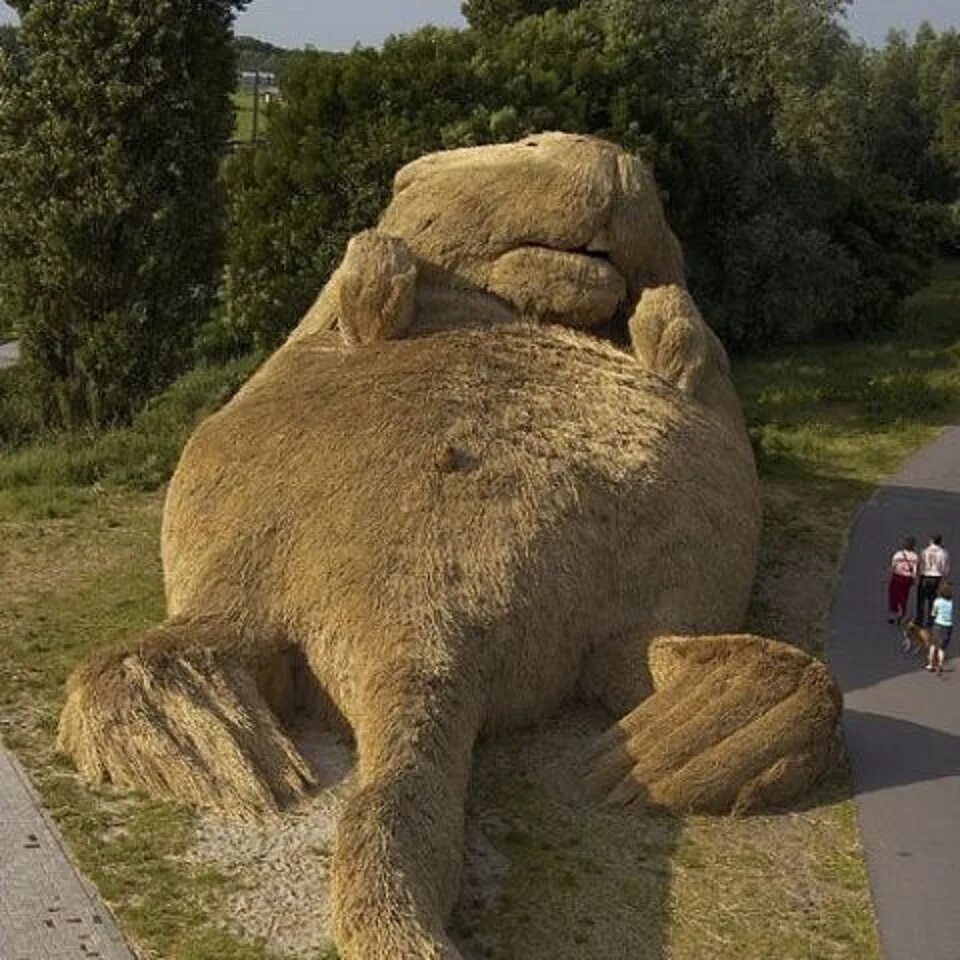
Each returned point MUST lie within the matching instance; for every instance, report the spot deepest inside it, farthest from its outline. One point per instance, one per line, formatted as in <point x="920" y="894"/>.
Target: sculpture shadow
<point x="551" y="873"/>
<point x="887" y="752"/>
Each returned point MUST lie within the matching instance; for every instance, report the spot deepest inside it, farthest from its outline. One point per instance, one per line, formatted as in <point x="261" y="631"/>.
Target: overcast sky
<point x="338" y="24"/>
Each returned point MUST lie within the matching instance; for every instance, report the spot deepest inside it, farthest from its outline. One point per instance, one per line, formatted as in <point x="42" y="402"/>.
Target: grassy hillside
<point x="79" y="527"/>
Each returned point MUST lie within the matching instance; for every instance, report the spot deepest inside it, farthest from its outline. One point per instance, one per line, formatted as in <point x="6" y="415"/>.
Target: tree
<point x="493" y="15"/>
<point x="345" y="124"/>
<point x="254" y="54"/>
<point x="111" y="137"/>
<point x="802" y="200"/>
<point x="9" y="39"/>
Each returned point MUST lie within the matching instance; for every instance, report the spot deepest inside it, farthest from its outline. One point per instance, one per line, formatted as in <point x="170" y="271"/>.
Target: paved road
<point x="9" y="353"/>
<point x="47" y="912"/>
<point x="902" y="724"/>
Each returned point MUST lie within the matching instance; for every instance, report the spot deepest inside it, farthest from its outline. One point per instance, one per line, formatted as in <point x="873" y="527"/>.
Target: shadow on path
<point x="902" y="723"/>
<point x="923" y="755"/>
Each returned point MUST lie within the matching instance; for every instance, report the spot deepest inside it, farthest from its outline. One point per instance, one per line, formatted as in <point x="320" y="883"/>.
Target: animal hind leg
<point x="399" y="849"/>
<point x="735" y="723"/>
<point x="179" y="713"/>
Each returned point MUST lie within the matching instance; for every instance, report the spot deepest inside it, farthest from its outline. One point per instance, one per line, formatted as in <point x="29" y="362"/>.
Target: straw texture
<point x="487" y="471"/>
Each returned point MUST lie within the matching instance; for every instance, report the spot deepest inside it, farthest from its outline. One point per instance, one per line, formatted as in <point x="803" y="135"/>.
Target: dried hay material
<point x="179" y="716"/>
<point x="553" y="229"/>
<point x="670" y="338"/>
<point x="745" y="723"/>
<point x="461" y="530"/>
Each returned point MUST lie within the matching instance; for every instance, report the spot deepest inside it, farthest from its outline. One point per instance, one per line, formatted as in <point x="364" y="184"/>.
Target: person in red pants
<point x="903" y="574"/>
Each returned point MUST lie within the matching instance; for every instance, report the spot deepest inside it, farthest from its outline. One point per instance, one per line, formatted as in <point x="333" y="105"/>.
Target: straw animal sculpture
<point x="499" y="465"/>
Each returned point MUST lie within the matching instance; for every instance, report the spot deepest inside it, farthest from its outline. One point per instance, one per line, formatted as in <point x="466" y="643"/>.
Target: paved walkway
<point x="47" y="912"/>
<point x="9" y="353"/>
<point x="902" y="724"/>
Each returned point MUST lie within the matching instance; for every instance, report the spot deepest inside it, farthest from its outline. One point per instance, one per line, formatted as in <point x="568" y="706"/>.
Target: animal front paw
<point x="671" y="339"/>
<point x="737" y="723"/>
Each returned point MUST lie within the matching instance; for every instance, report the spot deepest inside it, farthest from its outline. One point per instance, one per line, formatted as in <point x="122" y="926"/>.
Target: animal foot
<point x="737" y="723"/>
<point x="181" y="722"/>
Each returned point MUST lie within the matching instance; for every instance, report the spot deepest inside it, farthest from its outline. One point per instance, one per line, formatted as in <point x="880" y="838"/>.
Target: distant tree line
<point x="253" y="54"/>
<point x="809" y="178"/>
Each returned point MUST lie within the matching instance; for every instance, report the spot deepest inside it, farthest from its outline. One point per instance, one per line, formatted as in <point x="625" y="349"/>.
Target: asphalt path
<point x="902" y="724"/>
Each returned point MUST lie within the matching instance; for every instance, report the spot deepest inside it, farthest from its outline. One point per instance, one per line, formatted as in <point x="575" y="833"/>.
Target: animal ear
<point x="401" y="302"/>
<point x="670" y="338"/>
<point x="348" y="292"/>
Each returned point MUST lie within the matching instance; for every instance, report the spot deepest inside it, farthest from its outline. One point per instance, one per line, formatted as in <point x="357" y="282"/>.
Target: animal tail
<point x="399" y="850"/>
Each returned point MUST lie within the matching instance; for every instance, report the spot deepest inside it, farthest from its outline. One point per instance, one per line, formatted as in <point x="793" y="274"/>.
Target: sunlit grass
<point x="79" y="532"/>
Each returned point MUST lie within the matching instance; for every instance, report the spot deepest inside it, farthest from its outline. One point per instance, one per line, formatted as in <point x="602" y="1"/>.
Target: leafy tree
<point x="493" y="15"/>
<point x="345" y="124"/>
<point x="254" y="54"/>
<point x="806" y="205"/>
<point x="111" y="136"/>
<point x="8" y="37"/>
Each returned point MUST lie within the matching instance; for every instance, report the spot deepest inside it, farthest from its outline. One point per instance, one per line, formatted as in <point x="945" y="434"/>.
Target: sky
<point x="338" y="24"/>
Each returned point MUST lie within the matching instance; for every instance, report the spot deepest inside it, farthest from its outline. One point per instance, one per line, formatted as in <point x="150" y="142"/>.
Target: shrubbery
<point x="806" y="175"/>
<point x="811" y="180"/>
<point x="114" y="116"/>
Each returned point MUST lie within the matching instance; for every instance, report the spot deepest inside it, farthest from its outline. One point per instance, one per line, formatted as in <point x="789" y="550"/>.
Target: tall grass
<point x="58" y="473"/>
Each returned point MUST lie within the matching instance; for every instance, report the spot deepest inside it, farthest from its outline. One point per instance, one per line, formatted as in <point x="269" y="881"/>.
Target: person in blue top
<point x="942" y="627"/>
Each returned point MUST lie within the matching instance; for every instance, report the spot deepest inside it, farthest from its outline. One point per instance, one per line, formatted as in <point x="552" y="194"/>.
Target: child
<point x="903" y="572"/>
<point x="942" y="627"/>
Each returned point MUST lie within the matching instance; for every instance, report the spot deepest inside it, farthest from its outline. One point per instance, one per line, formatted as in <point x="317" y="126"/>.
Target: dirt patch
<point x="281" y="866"/>
<point x="548" y="873"/>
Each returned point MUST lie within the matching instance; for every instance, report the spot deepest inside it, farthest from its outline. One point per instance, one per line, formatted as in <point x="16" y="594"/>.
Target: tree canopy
<point x="805" y="174"/>
<point x="112" y="130"/>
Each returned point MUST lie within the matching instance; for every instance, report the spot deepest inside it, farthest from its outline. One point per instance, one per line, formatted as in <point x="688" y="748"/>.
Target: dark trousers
<point x="927" y="588"/>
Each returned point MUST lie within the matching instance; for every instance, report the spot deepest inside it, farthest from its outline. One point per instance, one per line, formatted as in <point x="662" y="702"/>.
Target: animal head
<point x="563" y="228"/>
<point x="556" y="228"/>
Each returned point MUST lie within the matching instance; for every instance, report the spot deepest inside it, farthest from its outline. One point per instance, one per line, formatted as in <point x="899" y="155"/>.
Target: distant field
<point x="243" y="128"/>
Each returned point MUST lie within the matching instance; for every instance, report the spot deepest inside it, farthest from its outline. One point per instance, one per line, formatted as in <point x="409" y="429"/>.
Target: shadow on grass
<point x="551" y="873"/>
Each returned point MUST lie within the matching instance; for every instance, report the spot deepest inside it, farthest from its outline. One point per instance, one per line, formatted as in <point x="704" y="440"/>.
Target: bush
<point x="20" y="420"/>
<point x="113" y="124"/>
<point x="141" y="456"/>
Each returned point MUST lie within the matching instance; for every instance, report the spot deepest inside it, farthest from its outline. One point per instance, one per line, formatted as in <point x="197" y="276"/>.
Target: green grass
<point x="243" y="104"/>
<point x="71" y="586"/>
<point x="79" y="534"/>
<point x="62" y="473"/>
<point x="850" y="412"/>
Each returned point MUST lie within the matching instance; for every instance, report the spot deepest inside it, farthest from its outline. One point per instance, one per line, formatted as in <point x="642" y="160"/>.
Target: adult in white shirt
<point x="934" y="570"/>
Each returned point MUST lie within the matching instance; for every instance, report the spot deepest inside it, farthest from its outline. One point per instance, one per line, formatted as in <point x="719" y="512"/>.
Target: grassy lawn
<point x="79" y="531"/>
<point x="243" y="104"/>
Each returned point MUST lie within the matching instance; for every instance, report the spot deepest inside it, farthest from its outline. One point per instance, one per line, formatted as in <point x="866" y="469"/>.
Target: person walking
<point x="903" y="573"/>
<point x="934" y="569"/>
<point x="942" y="627"/>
